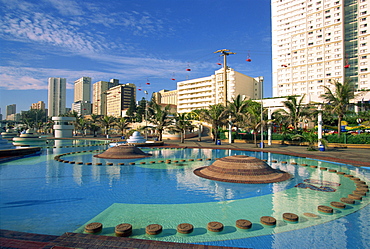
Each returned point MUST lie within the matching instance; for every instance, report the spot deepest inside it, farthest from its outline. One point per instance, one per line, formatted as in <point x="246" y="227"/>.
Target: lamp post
<point x="261" y="89"/>
<point x="225" y="53"/>
<point x="146" y="115"/>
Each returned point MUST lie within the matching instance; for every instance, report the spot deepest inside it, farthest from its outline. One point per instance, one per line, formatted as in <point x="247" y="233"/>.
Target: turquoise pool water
<point x="41" y="195"/>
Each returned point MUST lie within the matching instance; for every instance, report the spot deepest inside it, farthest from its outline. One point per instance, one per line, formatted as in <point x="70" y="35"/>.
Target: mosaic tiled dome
<point x="123" y="152"/>
<point x="242" y="169"/>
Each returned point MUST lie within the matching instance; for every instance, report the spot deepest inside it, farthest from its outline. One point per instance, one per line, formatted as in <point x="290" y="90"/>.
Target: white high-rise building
<point x="316" y="41"/>
<point x="100" y="95"/>
<point x="203" y="92"/>
<point x="56" y="96"/>
<point x="82" y="96"/>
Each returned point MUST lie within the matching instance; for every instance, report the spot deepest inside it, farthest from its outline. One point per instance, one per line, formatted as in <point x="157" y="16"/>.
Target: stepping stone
<point x="215" y="226"/>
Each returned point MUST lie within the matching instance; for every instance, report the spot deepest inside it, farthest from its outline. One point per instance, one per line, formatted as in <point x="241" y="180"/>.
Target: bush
<point x="348" y="138"/>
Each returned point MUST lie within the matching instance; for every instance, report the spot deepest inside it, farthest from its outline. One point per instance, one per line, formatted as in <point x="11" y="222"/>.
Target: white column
<point x="269" y="131"/>
<point x="319" y="127"/>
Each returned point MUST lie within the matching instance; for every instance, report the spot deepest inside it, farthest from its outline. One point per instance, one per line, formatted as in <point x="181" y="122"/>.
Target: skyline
<point x="135" y="42"/>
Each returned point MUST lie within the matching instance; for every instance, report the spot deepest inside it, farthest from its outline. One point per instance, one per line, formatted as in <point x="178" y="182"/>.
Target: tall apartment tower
<point x="316" y="41"/>
<point x="82" y="96"/>
<point x="11" y="109"/>
<point x="100" y="96"/>
<point x="119" y="98"/>
<point x="56" y="96"/>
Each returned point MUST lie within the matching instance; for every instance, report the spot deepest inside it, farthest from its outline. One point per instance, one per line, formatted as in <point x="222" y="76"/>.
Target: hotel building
<point x="82" y="96"/>
<point x="100" y="96"/>
<point x="316" y="41"/>
<point x="40" y="105"/>
<point x="203" y="92"/>
<point x="56" y="96"/>
<point x="166" y="97"/>
<point x="119" y="98"/>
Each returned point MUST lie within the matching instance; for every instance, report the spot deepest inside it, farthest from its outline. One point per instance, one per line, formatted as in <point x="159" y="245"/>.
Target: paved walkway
<point x="354" y="156"/>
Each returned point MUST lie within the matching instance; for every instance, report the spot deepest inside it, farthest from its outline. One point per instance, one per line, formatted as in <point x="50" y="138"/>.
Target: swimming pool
<point x="42" y="195"/>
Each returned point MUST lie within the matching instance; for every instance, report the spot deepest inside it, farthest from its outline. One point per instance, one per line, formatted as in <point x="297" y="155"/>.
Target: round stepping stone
<point x="362" y="189"/>
<point x="333" y="170"/>
<point x="347" y="200"/>
<point x="340" y="173"/>
<point x="109" y="163"/>
<point x="185" y="228"/>
<point x="199" y="159"/>
<point x="132" y="163"/>
<point x="153" y="229"/>
<point x="88" y="163"/>
<point x="355" y="179"/>
<point x="362" y="185"/>
<point x="191" y="160"/>
<point x="274" y="161"/>
<point x="215" y="226"/>
<point x="94" y="227"/>
<point x="325" y="209"/>
<point x="311" y="215"/>
<point x="152" y="162"/>
<point x="338" y="204"/>
<point x="313" y="166"/>
<point x="290" y="217"/>
<point x="268" y="220"/>
<point x="305" y="164"/>
<point x="243" y="224"/>
<point x="323" y="168"/>
<point x="284" y="162"/>
<point x="182" y="160"/>
<point x="121" y="163"/>
<point x="355" y="197"/>
<point x="293" y="163"/>
<point x="142" y="162"/>
<point x="99" y="164"/>
<point x="359" y="192"/>
<point x="123" y="230"/>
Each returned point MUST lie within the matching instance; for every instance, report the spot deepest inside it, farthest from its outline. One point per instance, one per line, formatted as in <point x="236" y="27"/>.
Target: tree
<point x="296" y="110"/>
<point x="182" y="124"/>
<point x="338" y="98"/>
<point x="122" y="124"/>
<point x="107" y="122"/>
<point x="217" y="116"/>
<point x="131" y="109"/>
<point x="159" y="117"/>
<point x="236" y="109"/>
<point x="252" y="118"/>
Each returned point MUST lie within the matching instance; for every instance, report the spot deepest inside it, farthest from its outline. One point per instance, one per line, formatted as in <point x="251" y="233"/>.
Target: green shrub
<point x="349" y="138"/>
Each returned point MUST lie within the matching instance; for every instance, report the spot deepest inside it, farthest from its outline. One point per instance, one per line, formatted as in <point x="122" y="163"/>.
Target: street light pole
<point x="146" y="115"/>
<point x="225" y="53"/>
<point x="261" y="85"/>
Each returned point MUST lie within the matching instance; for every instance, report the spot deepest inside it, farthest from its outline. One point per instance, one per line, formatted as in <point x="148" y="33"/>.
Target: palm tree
<point x="296" y="110"/>
<point x="216" y="115"/>
<point x="182" y="124"/>
<point x="159" y="117"/>
<point x="338" y="98"/>
<point x="107" y="122"/>
<point x="122" y="124"/>
<point x="236" y="109"/>
<point x="252" y="118"/>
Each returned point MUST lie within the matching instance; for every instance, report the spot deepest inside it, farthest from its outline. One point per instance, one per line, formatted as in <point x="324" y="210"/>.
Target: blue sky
<point x="135" y="41"/>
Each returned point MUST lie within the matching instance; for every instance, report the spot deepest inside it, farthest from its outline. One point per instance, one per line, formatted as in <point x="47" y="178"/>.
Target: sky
<point x="135" y="41"/>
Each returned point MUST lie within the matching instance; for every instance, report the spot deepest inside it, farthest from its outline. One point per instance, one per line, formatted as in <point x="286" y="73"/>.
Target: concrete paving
<point x="354" y="156"/>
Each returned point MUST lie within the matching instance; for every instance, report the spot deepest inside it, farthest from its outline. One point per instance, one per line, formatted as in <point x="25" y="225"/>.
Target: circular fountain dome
<point x="242" y="169"/>
<point x="123" y="152"/>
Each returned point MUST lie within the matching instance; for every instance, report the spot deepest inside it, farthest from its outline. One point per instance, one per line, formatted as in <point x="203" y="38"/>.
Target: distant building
<point x="166" y="97"/>
<point x="100" y="96"/>
<point x="10" y="110"/>
<point x="203" y="92"/>
<point x="14" y="117"/>
<point x="82" y="96"/>
<point x="119" y="99"/>
<point x="314" y="42"/>
<point x="56" y="96"/>
<point x="40" y="105"/>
